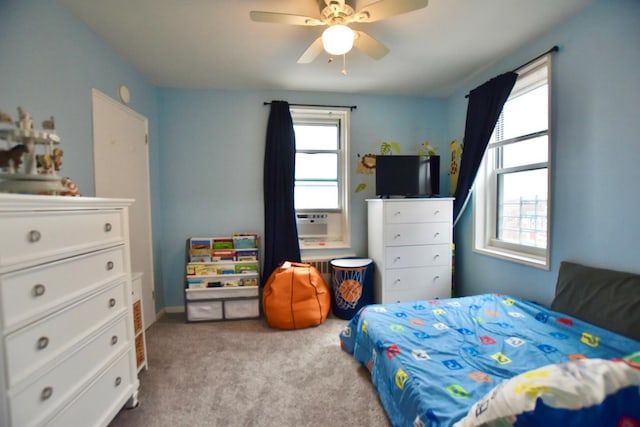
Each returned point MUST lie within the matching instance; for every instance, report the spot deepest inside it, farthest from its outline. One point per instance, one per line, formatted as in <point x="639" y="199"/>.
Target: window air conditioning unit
<point x="312" y="224"/>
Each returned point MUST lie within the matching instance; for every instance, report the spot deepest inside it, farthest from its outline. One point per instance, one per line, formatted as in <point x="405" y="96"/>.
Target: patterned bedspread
<point x="430" y="361"/>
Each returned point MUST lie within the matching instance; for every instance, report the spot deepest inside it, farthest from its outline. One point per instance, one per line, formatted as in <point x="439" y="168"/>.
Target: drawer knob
<point x="107" y="227"/>
<point x="118" y="381"/>
<point x="46" y="393"/>
<point x="34" y="236"/>
<point x="396" y="259"/>
<point x="397" y="281"/>
<point x="437" y="211"/>
<point x="114" y="340"/>
<point x="436" y="256"/>
<point x="397" y="213"/>
<point x="43" y="342"/>
<point x="436" y="234"/>
<point x="112" y="302"/>
<point x="110" y="265"/>
<point x="436" y="277"/>
<point x="397" y="236"/>
<point x="38" y="290"/>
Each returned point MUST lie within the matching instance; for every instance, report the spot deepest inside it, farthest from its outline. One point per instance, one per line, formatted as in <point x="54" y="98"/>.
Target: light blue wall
<point x="212" y="156"/>
<point x="596" y="149"/>
<point x="49" y="62"/>
<point x="206" y="147"/>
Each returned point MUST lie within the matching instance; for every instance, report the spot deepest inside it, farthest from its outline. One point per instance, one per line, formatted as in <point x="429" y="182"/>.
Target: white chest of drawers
<point x="66" y="352"/>
<point x="410" y="244"/>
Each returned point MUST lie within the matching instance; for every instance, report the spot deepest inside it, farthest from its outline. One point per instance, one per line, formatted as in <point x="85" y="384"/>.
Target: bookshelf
<point x="222" y="278"/>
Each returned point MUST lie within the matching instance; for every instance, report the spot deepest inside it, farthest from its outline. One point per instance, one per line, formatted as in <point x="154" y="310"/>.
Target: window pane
<point x="525" y="152"/>
<point x="316" y="136"/>
<point x="522" y="208"/>
<point x="526" y="113"/>
<point x="316" y="195"/>
<point x="317" y="166"/>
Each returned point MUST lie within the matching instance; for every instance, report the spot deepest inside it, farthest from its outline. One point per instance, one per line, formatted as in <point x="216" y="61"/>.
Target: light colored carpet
<point x="243" y="373"/>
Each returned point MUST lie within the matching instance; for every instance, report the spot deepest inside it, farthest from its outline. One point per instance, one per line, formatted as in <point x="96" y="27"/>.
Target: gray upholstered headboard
<point x="606" y="298"/>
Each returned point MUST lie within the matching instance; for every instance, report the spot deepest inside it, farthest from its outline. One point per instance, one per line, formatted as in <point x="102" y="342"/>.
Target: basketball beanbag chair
<point x="295" y="296"/>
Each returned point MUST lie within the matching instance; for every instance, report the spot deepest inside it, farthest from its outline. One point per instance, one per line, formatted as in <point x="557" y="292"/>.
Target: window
<point x="321" y="187"/>
<point x="511" y="200"/>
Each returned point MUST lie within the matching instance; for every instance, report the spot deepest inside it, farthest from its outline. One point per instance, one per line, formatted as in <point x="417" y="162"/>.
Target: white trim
<point x="485" y="185"/>
<point x="343" y="117"/>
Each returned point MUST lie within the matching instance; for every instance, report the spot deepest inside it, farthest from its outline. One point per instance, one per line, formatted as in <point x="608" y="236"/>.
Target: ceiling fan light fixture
<point x="337" y="39"/>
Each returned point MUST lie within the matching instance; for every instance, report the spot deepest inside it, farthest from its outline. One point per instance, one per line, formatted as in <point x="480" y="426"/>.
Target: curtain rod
<point x="553" y="49"/>
<point x="350" y="107"/>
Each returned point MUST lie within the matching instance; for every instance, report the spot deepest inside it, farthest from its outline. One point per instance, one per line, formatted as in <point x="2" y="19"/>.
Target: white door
<point x="121" y="161"/>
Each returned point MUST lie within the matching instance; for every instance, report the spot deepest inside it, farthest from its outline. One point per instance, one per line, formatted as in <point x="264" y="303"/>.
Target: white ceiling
<point x="204" y="44"/>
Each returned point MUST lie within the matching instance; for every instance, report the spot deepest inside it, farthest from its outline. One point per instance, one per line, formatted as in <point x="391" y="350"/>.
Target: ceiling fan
<point x="338" y="38"/>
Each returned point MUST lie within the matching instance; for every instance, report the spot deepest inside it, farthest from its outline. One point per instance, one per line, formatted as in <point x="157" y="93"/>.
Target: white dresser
<point x="67" y="352"/>
<point x="410" y="244"/>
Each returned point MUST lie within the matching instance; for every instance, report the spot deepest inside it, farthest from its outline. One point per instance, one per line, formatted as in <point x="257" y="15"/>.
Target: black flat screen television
<point x="409" y="176"/>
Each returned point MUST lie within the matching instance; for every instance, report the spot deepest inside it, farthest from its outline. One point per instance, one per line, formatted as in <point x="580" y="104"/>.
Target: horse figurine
<point x="56" y="156"/>
<point x="12" y="158"/>
<point x="44" y="164"/>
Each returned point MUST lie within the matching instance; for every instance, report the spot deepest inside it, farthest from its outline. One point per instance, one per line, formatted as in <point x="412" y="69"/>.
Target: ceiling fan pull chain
<point x="344" y="64"/>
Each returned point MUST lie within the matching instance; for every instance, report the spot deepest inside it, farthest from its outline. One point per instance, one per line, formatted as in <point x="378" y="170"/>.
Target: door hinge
<point x="146" y="138"/>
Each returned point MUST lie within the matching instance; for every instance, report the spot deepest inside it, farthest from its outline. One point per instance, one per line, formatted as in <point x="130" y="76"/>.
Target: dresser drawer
<point x="51" y="390"/>
<point x="405" y="295"/>
<point x="415" y="294"/>
<point x="34" y="346"/>
<point x="432" y="281"/>
<point x="102" y="400"/>
<point x="412" y="211"/>
<point x="37" y="291"/>
<point x="426" y="233"/>
<point x="43" y="236"/>
<point x="417" y="256"/>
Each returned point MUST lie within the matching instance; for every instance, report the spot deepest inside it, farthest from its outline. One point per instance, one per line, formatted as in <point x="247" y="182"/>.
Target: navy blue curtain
<point x="485" y="105"/>
<point x="280" y="230"/>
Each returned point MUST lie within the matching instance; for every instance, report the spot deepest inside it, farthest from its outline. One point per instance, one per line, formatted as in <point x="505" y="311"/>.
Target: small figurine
<point x="49" y="124"/>
<point x="49" y="163"/>
<point x="56" y="156"/>
<point x="72" y="188"/>
<point x="44" y="164"/>
<point x="5" y="118"/>
<point x="12" y="158"/>
<point x="25" y="121"/>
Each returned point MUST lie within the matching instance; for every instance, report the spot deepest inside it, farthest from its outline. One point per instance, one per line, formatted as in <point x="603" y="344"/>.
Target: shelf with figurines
<point x="32" y="159"/>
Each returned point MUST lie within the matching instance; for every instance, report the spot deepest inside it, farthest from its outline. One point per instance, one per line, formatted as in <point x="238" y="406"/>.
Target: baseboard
<point x="172" y="309"/>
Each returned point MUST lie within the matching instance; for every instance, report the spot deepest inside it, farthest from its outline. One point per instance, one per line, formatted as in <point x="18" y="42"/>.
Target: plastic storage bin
<point x="351" y="285"/>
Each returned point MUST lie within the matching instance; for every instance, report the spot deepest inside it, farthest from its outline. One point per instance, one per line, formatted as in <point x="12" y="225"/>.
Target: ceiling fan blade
<point x="283" y="18"/>
<point x="369" y="45"/>
<point x="386" y="8"/>
<point x="312" y="52"/>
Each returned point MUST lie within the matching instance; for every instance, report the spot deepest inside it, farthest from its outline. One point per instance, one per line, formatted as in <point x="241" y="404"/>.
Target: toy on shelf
<point x="12" y="158"/>
<point x="31" y="160"/>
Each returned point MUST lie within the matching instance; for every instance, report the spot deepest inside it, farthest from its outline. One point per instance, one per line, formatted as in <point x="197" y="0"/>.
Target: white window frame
<point x="485" y="192"/>
<point x="339" y="224"/>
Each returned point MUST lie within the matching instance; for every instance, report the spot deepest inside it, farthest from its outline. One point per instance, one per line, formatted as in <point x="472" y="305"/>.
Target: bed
<point x="496" y="359"/>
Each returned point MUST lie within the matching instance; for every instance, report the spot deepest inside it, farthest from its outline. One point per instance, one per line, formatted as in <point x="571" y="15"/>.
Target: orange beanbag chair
<point x="295" y="296"/>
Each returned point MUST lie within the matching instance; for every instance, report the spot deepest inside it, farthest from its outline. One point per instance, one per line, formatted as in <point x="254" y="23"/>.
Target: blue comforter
<point x="430" y="361"/>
